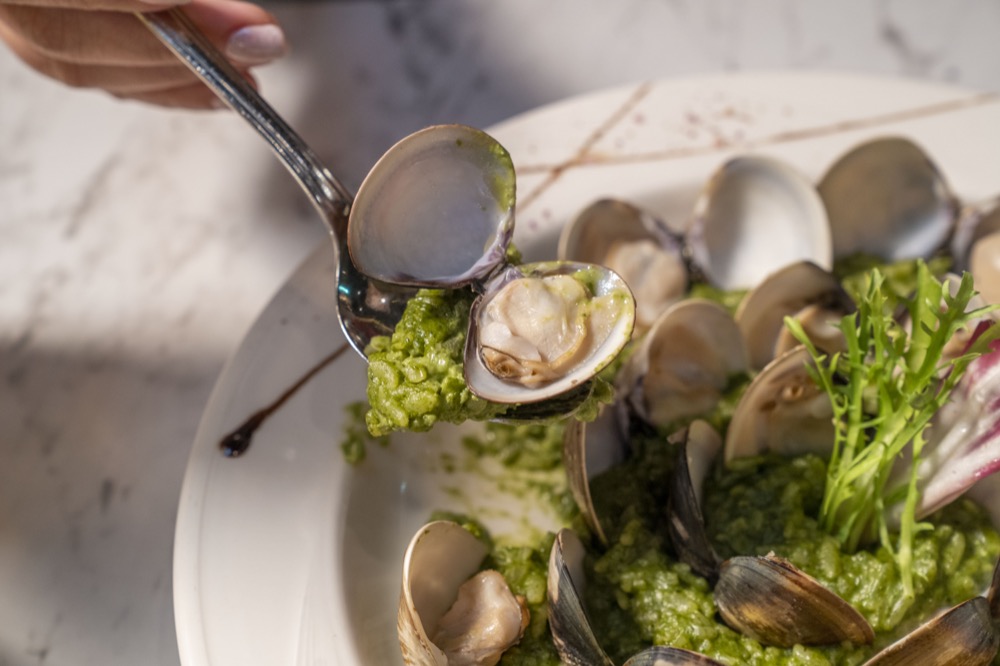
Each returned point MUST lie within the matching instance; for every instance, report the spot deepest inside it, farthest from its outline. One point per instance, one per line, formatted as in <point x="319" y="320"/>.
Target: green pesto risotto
<point x="415" y="376"/>
<point x="638" y="594"/>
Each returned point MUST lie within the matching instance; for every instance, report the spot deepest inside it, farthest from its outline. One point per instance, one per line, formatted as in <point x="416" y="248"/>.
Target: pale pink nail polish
<point x="256" y="44"/>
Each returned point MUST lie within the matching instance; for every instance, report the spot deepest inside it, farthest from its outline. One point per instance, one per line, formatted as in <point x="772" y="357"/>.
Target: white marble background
<point x="137" y="245"/>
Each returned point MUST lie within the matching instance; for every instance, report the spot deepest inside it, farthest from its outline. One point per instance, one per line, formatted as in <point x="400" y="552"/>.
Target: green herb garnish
<point x="885" y="388"/>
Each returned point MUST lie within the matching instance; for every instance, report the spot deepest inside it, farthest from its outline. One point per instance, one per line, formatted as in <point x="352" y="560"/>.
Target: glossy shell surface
<point x="436" y="210"/>
<point x="756" y="215"/>
<point x="886" y="197"/>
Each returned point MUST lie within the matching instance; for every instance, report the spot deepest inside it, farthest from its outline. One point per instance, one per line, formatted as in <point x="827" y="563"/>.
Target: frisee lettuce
<point x="885" y="389"/>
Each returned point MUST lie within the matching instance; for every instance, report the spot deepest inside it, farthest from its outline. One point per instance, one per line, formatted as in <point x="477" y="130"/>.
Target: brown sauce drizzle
<point x="236" y="443"/>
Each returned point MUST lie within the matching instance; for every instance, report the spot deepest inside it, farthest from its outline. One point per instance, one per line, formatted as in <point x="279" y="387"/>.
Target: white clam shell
<point x="440" y="557"/>
<point x="436" y="210"/>
<point x="756" y="215"/>
<point x="607" y="285"/>
<point x="634" y="244"/>
<point x="782" y="410"/>
<point x="887" y="198"/>
<point x="685" y="362"/>
<point x="588" y="450"/>
<point x="975" y="221"/>
<point x="786" y="292"/>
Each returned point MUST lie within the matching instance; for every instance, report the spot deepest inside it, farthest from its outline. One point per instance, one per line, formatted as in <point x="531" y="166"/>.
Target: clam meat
<point x="634" y="244"/>
<point x="437" y="210"/>
<point x="684" y="364"/>
<point x="450" y="612"/>
<point x="544" y="329"/>
<point x="484" y="621"/>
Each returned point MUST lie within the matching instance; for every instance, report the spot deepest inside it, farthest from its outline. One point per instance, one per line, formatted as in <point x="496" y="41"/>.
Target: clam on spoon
<point x="400" y="232"/>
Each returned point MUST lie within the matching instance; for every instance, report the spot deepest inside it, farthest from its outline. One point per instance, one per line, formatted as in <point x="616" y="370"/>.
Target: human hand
<point x="101" y="44"/>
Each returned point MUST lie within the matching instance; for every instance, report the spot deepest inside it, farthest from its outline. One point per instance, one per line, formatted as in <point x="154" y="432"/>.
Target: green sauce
<point x="415" y="376"/>
<point x="525" y="570"/>
<point x="357" y="438"/>
<point x="639" y="595"/>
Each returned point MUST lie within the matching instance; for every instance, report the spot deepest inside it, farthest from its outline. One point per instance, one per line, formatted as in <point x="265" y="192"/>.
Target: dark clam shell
<point x="993" y="595"/>
<point x="698" y="446"/>
<point x="768" y="599"/>
<point x="572" y="634"/>
<point x="670" y="656"/>
<point x="966" y="635"/>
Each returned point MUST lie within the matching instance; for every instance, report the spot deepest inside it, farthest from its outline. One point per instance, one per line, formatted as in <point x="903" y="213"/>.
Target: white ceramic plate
<point x="290" y="556"/>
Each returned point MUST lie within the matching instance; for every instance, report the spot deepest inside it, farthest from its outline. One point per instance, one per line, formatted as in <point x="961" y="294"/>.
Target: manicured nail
<point x="256" y="44"/>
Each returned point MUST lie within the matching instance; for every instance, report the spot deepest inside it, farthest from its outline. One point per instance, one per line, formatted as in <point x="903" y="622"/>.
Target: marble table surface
<point x="137" y="244"/>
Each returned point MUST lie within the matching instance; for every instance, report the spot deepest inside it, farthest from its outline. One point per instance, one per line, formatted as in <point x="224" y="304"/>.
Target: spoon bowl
<point x="366" y="308"/>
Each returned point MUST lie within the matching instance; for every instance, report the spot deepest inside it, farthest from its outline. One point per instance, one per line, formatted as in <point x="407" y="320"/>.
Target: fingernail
<point x="256" y="44"/>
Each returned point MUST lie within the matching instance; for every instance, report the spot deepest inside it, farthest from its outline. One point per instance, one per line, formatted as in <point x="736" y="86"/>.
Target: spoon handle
<point x="366" y="308"/>
<point x="181" y="36"/>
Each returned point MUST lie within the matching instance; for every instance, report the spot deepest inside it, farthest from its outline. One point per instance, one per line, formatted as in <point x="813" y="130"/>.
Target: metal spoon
<point x="366" y="308"/>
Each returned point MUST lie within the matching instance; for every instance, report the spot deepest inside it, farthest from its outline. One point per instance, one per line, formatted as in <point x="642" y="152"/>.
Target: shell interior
<point x="436" y="210"/>
<point x="440" y="557"/>
<point x="756" y="215"/>
<point x="887" y="198"/>
<point x="634" y="244"/>
<point x="606" y="285"/>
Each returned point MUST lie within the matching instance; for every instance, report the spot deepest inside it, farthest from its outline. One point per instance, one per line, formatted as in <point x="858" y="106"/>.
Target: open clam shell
<point x="887" y="198"/>
<point x="770" y="600"/>
<point x="572" y="633"/>
<point x="801" y="289"/>
<point x="684" y="363"/>
<point x="966" y="635"/>
<point x="437" y="210"/>
<point x="756" y="215"/>
<point x="440" y="557"/>
<point x="698" y="448"/>
<point x="975" y="221"/>
<point x="634" y="244"/>
<point x="449" y="611"/>
<point x="543" y="329"/>
<point x="782" y="410"/>
<point x="588" y="450"/>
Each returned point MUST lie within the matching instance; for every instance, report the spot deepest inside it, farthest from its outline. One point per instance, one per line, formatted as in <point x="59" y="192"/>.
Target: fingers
<point x="93" y="5"/>
<point x="105" y="37"/>
<point x="194" y="96"/>
<point x="112" y="50"/>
